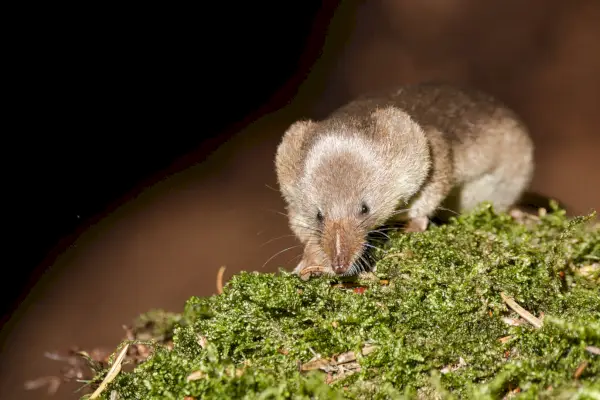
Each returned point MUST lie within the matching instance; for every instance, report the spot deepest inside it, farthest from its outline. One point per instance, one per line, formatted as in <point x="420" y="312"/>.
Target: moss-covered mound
<point x="439" y="326"/>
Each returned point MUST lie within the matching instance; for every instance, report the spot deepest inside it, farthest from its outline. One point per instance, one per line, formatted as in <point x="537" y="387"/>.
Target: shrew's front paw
<point x="301" y="265"/>
<point x="310" y="265"/>
<point x="418" y="224"/>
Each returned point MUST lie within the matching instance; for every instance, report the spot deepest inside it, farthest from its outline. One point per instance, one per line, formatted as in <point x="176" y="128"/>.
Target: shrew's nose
<point x="340" y="264"/>
<point x="341" y="258"/>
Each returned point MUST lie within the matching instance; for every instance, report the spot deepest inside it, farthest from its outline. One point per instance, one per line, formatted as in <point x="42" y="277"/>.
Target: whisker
<point x="296" y="257"/>
<point x="381" y="205"/>
<point x="318" y="254"/>
<point x="308" y="228"/>
<point x="374" y="247"/>
<point x="279" y="252"/>
<point x="390" y="217"/>
<point x="385" y="228"/>
<point x="379" y="231"/>
<point x="350" y="271"/>
<point x="287" y="216"/>
<point x="363" y="264"/>
<point x="277" y="238"/>
<point x="276" y="212"/>
<point x="398" y="212"/>
<point x="296" y="222"/>
<point x="447" y="209"/>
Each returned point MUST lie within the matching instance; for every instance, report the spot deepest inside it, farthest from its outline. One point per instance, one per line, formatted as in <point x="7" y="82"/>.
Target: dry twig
<point x="451" y="368"/>
<point x="220" y="279"/>
<point x="112" y="373"/>
<point x="526" y="315"/>
<point x="195" y="376"/>
<point x="580" y="369"/>
<point x="337" y="367"/>
<point x="505" y="339"/>
<point x="593" y="350"/>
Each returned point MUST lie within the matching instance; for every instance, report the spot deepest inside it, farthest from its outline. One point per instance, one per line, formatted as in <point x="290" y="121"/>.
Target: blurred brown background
<point x="541" y="57"/>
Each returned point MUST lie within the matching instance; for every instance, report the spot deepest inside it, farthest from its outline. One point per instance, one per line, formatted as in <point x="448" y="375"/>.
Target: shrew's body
<point x="398" y="155"/>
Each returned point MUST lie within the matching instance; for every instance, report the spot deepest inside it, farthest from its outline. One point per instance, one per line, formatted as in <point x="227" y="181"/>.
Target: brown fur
<point x="417" y="149"/>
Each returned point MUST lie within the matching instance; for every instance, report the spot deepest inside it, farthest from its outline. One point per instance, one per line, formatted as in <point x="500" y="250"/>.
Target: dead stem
<point x="580" y="369"/>
<point x="505" y="339"/>
<point x="327" y="364"/>
<point x="112" y="373"/>
<point x="526" y="315"/>
<point x="220" y="279"/>
<point x="593" y="350"/>
<point x="195" y="376"/>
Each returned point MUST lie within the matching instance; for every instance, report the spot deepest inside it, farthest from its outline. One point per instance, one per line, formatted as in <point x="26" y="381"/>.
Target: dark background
<point x="142" y="146"/>
<point x="121" y="102"/>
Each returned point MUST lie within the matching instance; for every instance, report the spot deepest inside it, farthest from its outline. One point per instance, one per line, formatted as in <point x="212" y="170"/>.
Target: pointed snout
<point x="341" y="243"/>
<point x="340" y="261"/>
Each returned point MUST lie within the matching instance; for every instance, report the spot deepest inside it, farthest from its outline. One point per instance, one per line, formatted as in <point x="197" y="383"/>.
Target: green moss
<point x="442" y="305"/>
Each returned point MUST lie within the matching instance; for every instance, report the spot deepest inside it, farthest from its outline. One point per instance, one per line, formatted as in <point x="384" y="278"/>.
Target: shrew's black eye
<point x="364" y="209"/>
<point x="319" y="216"/>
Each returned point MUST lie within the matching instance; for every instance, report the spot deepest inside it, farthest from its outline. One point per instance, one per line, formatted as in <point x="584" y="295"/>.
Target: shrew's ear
<point x="393" y="126"/>
<point x="288" y="159"/>
<point x="405" y="144"/>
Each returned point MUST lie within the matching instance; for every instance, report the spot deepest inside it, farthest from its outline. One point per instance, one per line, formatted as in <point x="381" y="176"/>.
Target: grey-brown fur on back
<point x="481" y="130"/>
<point x="451" y="109"/>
